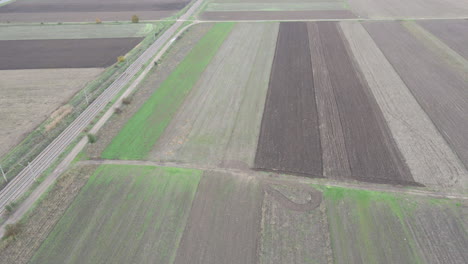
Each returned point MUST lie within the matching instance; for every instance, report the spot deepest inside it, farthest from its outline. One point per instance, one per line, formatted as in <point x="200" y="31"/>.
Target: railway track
<point x="23" y="181"/>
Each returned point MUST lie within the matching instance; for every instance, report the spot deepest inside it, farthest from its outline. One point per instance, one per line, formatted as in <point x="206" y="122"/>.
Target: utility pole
<point x="86" y="97"/>
<point x="3" y="173"/>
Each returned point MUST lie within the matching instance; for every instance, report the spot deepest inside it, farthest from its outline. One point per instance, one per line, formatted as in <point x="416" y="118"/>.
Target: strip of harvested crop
<point x="124" y="214"/>
<point x="224" y="221"/>
<point x="453" y="32"/>
<point x="428" y="156"/>
<point x="220" y="121"/>
<point x="289" y="137"/>
<point x="440" y="91"/>
<point x="141" y="132"/>
<point x="372" y="153"/>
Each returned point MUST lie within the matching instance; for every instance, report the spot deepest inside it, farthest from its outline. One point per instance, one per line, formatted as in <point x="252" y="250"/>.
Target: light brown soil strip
<point x="28" y="97"/>
<point x="440" y="91"/>
<point x="334" y="156"/>
<point x="289" y="137"/>
<point x="224" y="221"/>
<point x="372" y="153"/>
<point x="82" y="6"/>
<point x="277" y="15"/>
<point x="427" y="154"/>
<point x="82" y="16"/>
<point x="63" y="53"/>
<point x="453" y="32"/>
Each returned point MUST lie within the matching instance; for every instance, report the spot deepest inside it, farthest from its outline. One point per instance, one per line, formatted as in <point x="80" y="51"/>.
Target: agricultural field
<point x="66" y="53"/>
<point x="74" y="31"/>
<point x="316" y="137"/>
<point x="356" y="120"/>
<point x="87" y="10"/>
<point x="31" y="96"/>
<point x="148" y="206"/>
<point x="275" y="10"/>
<point x="370" y="227"/>
<point x="44" y="66"/>
<point x="176" y="215"/>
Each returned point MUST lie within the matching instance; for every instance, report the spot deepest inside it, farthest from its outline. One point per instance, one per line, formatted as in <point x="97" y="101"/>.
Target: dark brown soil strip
<point x="69" y="53"/>
<point x="289" y="137"/>
<point x="372" y="153"/>
<point x="277" y="15"/>
<point x="19" y="7"/>
<point x="441" y="92"/>
<point x="334" y="156"/>
<point x="224" y="221"/>
<point x="454" y="33"/>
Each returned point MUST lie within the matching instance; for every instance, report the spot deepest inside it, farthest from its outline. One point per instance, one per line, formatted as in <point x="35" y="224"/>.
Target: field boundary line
<point x="273" y="177"/>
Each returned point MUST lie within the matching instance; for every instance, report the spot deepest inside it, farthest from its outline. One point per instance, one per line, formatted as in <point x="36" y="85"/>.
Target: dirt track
<point x="276" y="15"/>
<point x="63" y="53"/>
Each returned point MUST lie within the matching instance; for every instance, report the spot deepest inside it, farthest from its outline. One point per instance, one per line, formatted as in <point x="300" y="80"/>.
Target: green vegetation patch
<point x="382" y="227"/>
<point x="75" y="31"/>
<point x="139" y="135"/>
<point x="124" y="214"/>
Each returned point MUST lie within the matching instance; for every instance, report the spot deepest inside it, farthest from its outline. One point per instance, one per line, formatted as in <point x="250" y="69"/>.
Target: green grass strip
<point x="141" y="132"/>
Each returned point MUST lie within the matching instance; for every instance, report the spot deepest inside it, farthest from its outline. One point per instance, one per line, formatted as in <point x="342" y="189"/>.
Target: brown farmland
<point x="440" y="91"/>
<point x="63" y="53"/>
<point x="75" y="11"/>
<point x="224" y="221"/>
<point x="289" y="138"/>
<point x="277" y="15"/>
<point x="372" y="153"/>
<point x="348" y="132"/>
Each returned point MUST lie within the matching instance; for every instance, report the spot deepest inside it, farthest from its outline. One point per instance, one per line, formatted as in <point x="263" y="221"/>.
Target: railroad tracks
<point x="23" y="181"/>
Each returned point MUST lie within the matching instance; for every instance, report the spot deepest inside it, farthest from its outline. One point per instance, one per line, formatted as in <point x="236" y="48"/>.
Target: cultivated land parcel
<point x="277" y="142"/>
<point x="87" y="10"/>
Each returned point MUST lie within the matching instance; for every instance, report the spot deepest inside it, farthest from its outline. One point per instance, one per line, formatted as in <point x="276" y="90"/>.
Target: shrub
<point x="121" y="59"/>
<point x="9" y="208"/>
<point x="135" y="19"/>
<point x="12" y="230"/>
<point x="127" y="100"/>
<point x="118" y="110"/>
<point x="98" y="21"/>
<point x="92" y="138"/>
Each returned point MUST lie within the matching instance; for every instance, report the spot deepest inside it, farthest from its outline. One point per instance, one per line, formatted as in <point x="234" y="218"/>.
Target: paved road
<point x="23" y="181"/>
